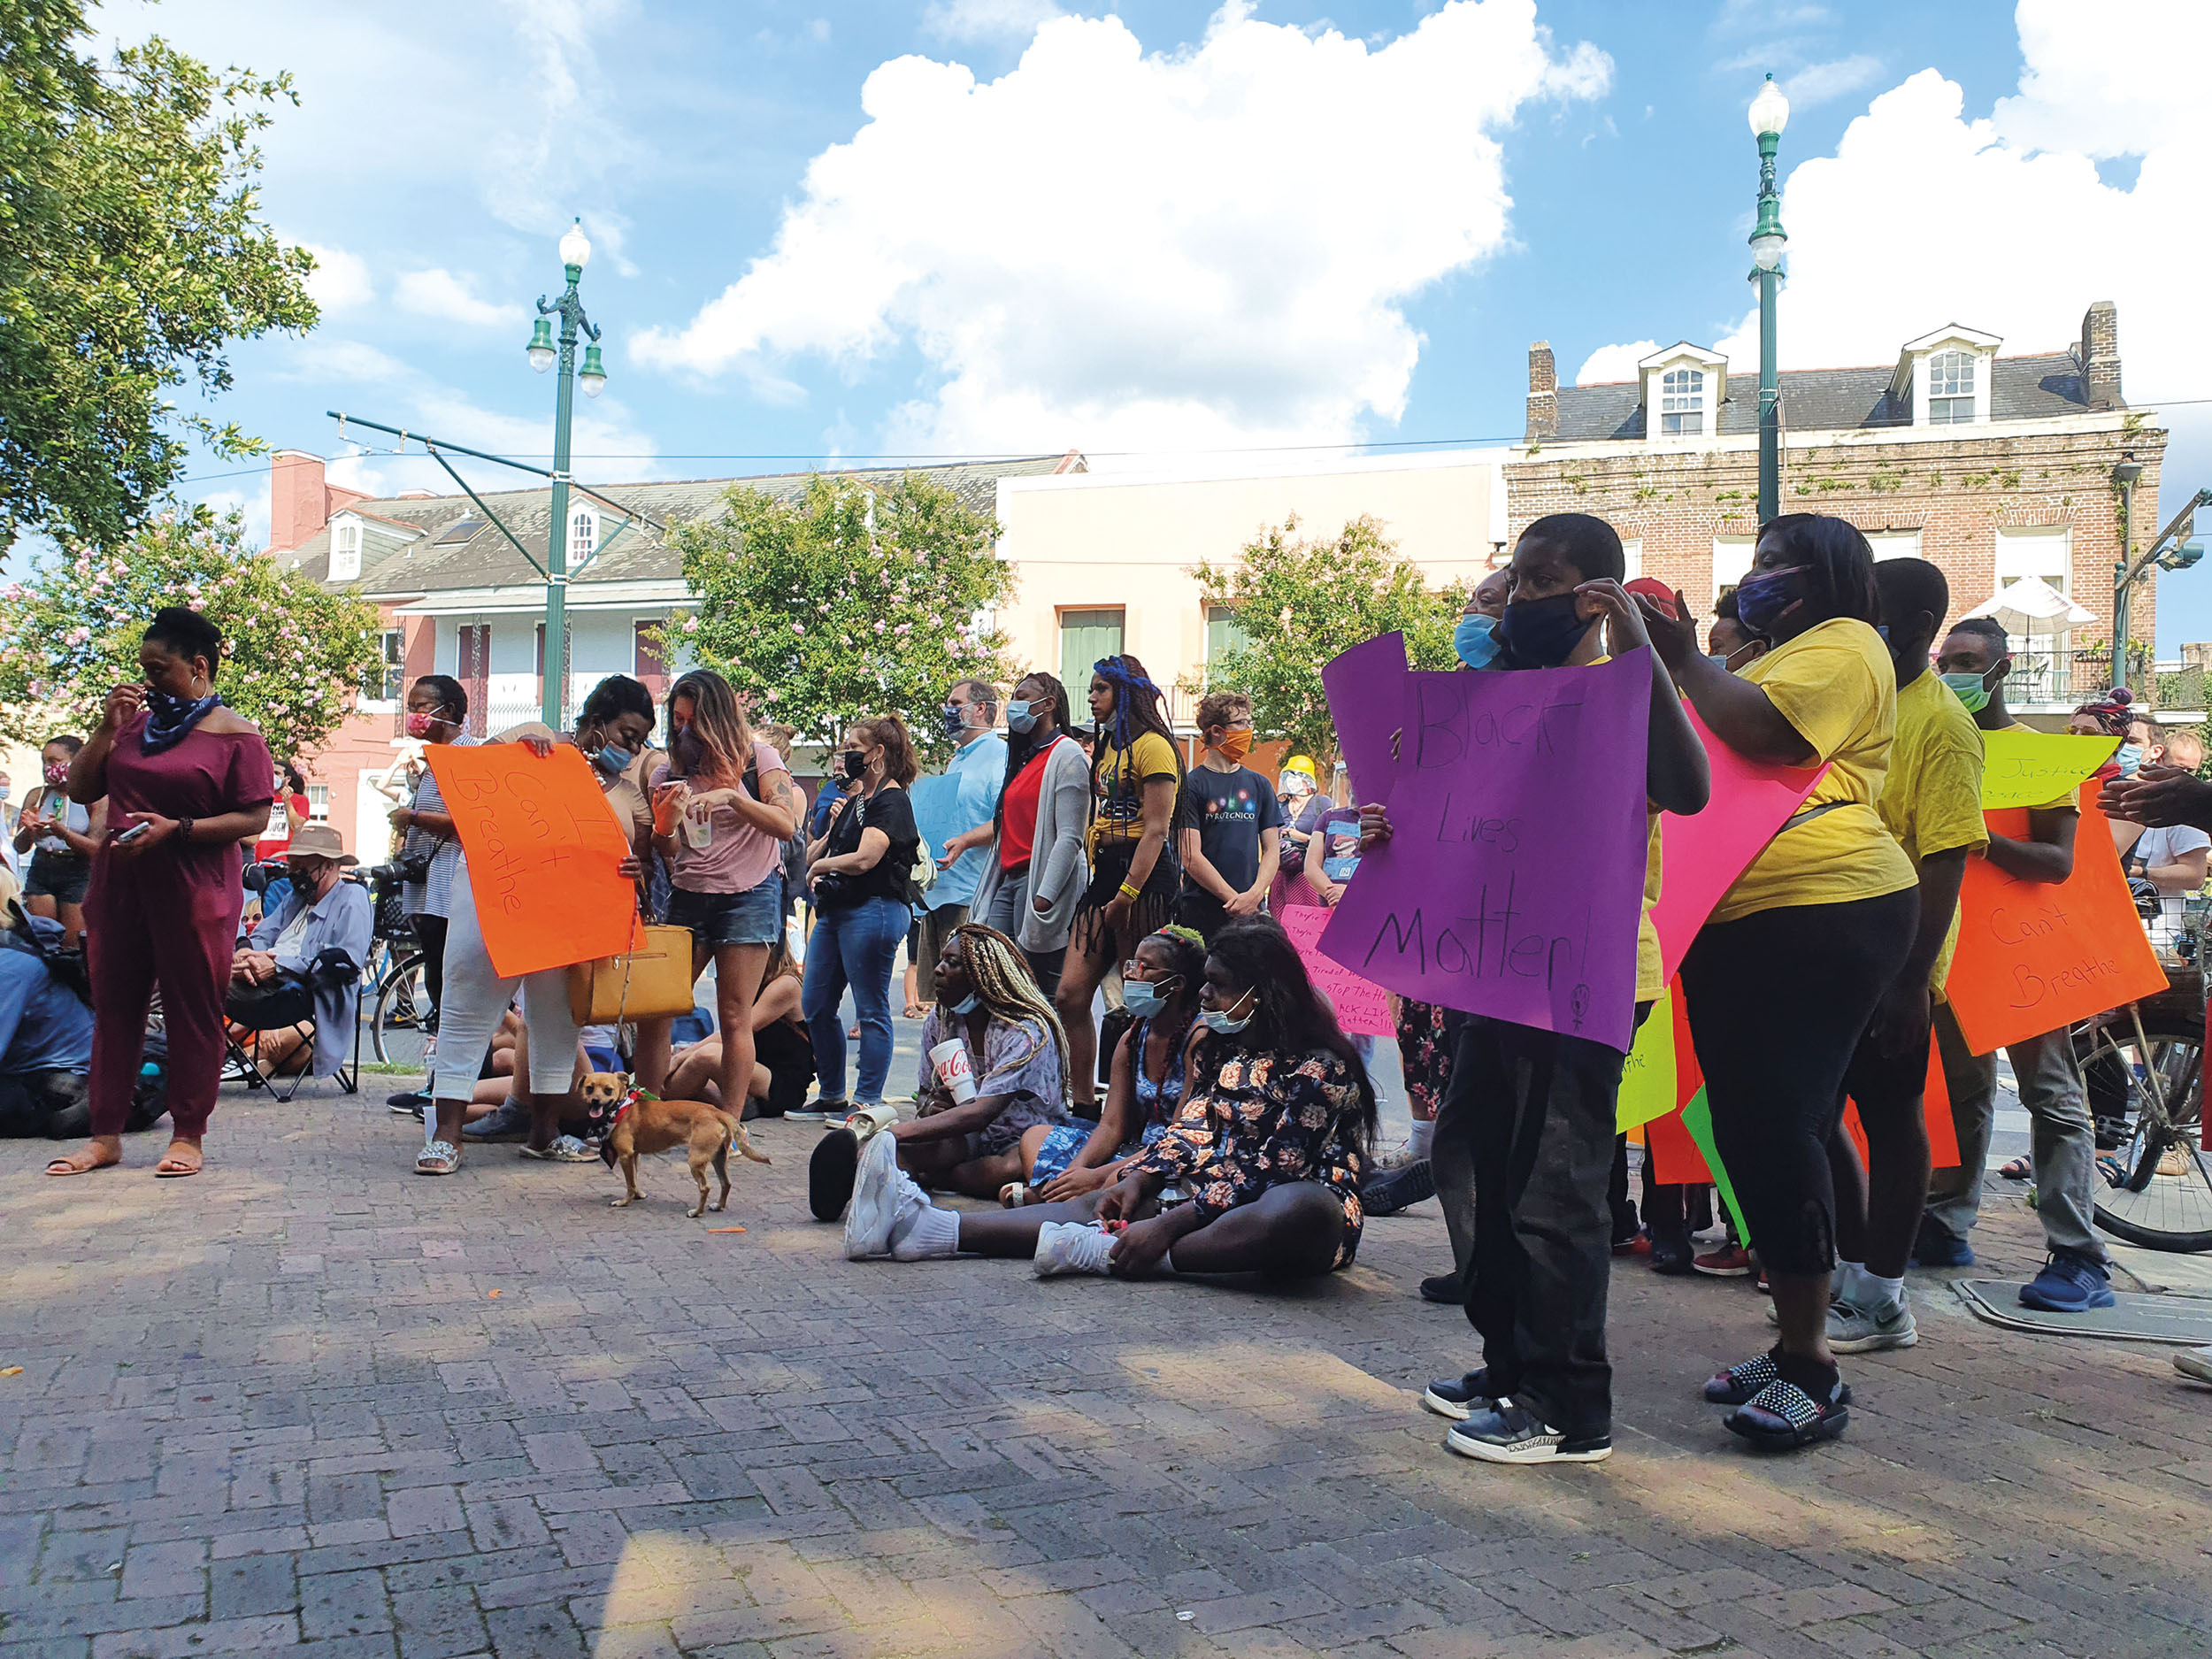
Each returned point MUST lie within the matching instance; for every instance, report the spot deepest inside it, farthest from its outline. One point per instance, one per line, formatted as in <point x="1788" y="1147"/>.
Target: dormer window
<point x="1682" y="403"/>
<point x="583" y="535"/>
<point x="345" y="550"/>
<point x="1950" y="388"/>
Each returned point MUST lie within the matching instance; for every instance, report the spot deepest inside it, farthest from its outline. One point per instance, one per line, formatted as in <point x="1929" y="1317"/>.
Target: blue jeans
<point x="853" y="947"/>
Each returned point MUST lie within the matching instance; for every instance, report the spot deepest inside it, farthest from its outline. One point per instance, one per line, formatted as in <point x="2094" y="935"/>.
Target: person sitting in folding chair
<point x="296" y="978"/>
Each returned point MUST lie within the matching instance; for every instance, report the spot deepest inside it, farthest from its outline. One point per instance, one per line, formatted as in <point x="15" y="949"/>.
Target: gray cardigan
<point x="1057" y="869"/>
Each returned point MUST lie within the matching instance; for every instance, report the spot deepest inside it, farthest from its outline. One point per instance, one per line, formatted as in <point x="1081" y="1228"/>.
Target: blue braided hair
<point x="1137" y="709"/>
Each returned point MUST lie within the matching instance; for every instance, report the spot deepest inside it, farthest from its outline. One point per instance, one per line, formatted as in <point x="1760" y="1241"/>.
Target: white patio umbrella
<point x="2032" y="607"/>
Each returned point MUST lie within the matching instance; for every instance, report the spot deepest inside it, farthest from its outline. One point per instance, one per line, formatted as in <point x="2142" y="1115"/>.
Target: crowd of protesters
<point x="1119" y="1042"/>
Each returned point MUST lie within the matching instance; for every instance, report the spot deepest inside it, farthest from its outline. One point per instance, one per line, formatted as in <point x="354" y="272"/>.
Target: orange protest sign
<point x="544" y="854"/>
<point x="2035" y="956"/>
<point x="1935" y="1107"/>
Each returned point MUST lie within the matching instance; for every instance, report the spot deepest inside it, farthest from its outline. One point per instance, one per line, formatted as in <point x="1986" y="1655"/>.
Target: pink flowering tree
<point x="293" y="654"/>
<point x="846" y="603"/>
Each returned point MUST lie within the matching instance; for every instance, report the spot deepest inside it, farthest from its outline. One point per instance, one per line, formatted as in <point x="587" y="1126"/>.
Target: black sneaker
<point x="407" y="1103"/>
<point x="1460" y="1397"/>
<point x="1396" y="1189"/>
<point x="1507" y="1433"/>
<point x="830" y="1173"/>
<point x="1444" y="1287"/>
<point x="1672" y="1252"/>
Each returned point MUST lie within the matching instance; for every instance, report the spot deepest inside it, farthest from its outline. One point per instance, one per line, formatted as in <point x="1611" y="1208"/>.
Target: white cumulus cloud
<point x="986" y="19"/>
<point x="340" y="281"/>
<point x="1614" y="362"/>
<point x="1130" y="250"/>
<point x="439" y="293"/>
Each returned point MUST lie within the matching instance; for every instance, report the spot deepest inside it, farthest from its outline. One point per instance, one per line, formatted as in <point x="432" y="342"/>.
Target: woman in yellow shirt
<point x="1787" y="972"/>
<point x="1135" y="777"/>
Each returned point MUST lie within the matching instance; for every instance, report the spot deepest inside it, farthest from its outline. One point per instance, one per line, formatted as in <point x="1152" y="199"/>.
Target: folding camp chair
<point x="335" y="967"/>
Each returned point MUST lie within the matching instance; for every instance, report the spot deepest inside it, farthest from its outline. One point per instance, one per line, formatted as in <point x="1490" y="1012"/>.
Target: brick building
<point x="1993" y="466"/>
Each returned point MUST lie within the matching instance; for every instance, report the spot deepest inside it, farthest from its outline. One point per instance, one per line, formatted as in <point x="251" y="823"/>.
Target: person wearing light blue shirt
<point x="45" y="1038"/>
<point x="965" y="798"/>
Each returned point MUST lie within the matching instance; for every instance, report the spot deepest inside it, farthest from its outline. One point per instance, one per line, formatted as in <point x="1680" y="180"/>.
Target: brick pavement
<point x="310" y="1400"/>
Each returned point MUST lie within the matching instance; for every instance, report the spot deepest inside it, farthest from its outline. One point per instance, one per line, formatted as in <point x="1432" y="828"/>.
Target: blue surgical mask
<point x="1220" y="1019"/>
<point x="612" y="761"/>
<point x="2131" y="758"/>
<point x="1020" y="716"/>
<point x="1475" y="639"/>
<point x="1142" y="998"/>
<point x="1970" y="690"/>
<point x="967" y="1005"/>
<point x="1761" y="599"/>
<point x="1721" y="658"/>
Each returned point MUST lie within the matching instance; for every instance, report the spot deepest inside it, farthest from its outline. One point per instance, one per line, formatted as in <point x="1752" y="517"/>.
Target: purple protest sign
<point x="1367" y="690"/>
<point x="1514" y="877"/>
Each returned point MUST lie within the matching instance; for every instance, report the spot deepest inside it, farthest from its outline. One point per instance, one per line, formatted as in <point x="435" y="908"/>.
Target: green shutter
<point x="1223" y="635"/>
<point x="1085" y="637"/>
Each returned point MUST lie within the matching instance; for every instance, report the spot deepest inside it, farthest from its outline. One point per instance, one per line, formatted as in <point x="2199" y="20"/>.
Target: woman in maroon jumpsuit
<point x="187" y="780"/>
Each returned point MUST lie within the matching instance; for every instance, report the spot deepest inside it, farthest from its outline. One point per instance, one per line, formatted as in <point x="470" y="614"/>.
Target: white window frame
<point x="2043" y="552"/>
<point x="1894" y="544"/>
<point x="583" y="536"/>
<point x="345" y="550"/>
<point x="319" y="804"/>
<point x="1632" y="552"/>
<point x="1731" y="561"/>
<point x="1682" y="399"/>
<point x="1953" y="375"/>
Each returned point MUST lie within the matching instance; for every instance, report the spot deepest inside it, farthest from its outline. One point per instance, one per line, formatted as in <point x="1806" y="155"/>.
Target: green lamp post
<point x="575" y="253"/>
<point x="1770" y="114"/>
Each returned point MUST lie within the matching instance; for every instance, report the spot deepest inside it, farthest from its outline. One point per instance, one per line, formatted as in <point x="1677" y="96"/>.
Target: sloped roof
<point x="1827" y="400"/>
<point x="401" y="554"/>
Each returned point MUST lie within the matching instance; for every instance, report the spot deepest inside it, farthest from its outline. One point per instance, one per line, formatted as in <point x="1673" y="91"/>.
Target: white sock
<point x="1846" y="1288"/>
<point x="1423" y="1136"/>
<point x="1878" y="1293"/>
<point x="927" y="1234"/>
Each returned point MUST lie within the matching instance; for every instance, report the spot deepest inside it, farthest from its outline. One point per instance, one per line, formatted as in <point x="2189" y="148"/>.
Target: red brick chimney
<point x="2101" y="357"/>
<point x="300" y="501"/>
<point x="1543" y="393"/>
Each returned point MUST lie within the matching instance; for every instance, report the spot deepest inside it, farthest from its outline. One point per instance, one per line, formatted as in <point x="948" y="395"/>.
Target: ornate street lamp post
<point x="575" y="253"/>
<point x="1770" y="114"/>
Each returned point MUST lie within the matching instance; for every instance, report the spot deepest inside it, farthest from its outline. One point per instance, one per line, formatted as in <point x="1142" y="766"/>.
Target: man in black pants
<point x="1527" y="1123"/>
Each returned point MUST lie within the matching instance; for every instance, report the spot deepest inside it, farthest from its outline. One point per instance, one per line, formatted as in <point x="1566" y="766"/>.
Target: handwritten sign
<point x="1366" y="687"/>
<point x="544" y="854"/>
<point x="1701" y="857"/>
<point x="2038" y="768"/>
<point x="1362" y="1006"/>
<point x="1649" y="1074"/>
<point x="2035" y="956"/>
<point x="1513" y="880"/>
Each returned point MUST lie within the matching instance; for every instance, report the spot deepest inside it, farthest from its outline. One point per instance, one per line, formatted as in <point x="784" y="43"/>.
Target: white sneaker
<point x="1856" y="1330"/>
<point x="1072" y="1247"/>
<point x="881" y="1190"/>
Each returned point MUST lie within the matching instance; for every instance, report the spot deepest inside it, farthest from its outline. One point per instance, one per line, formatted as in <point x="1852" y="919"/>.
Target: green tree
<point x="130" y="256"/>
<point x="292" y="652"/>
<point x="846" y="603"/>
<point x="1300" y="602"/>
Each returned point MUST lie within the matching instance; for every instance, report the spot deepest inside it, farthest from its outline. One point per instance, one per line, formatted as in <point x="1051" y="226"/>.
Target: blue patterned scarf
<point x="168" y="719"/>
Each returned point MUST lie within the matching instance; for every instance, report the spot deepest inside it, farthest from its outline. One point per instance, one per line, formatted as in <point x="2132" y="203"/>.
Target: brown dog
<point x="644" y="1124"/>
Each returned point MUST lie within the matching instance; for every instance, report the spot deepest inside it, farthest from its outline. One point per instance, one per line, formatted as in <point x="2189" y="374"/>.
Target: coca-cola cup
<point x="949" y="1060"/>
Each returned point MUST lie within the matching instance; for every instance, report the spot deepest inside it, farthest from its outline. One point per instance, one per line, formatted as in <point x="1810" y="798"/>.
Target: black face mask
<point x="855" y="764"/>
<point x="1541" y="632"/>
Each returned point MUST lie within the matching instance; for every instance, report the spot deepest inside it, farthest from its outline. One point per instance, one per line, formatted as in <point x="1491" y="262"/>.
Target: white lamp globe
<point x="576" y="247"/>
<point x="1769" y="110"/>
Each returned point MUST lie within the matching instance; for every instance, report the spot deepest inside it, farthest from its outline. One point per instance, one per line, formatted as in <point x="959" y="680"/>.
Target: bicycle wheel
<point x="2155" y="1189"/>
<point x="401" y="1004"/>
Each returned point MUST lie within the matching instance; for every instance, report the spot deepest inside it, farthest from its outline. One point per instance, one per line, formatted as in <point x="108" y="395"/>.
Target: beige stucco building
<point x="1104" y="560"/>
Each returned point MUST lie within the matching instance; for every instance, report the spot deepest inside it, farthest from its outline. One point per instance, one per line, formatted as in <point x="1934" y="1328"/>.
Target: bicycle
<point x="2143" y="1068"/>
<point x="392" y="983"/>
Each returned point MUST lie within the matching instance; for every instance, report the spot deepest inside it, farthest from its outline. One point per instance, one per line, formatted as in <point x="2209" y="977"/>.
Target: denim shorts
<point x="61" y="877"/>
<point x="754" y="917"/>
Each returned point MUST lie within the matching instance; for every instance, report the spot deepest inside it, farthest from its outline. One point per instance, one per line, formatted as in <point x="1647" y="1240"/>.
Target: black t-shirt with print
<point x="890" y="810"/>
<point x="1228" y="809"/>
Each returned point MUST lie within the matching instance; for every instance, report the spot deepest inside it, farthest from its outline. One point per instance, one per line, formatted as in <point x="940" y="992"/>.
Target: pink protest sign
<point x="1362" y="1006"/>
<point x="1701" y="857"/>
<point x="1514" y="877"/>
<point x="1366" y="689"/>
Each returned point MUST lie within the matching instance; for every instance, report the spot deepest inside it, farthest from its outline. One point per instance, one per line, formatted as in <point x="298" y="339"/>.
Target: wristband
<point x="184" y="829"/>
<point x="1130" y="892"/>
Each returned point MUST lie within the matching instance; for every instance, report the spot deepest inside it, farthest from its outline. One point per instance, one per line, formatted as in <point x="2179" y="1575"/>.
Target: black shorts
<point x="272" y="1007"/>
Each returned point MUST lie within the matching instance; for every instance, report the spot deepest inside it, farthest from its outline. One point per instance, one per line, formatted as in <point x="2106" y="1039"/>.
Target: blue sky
<point x="1176" y="227"/>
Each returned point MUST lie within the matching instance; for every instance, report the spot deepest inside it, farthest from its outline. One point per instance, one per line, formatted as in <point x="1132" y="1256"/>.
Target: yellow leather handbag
<point x="652" y="982"/>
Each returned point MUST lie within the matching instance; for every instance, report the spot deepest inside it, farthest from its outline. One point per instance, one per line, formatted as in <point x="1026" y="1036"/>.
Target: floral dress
<point x="1267" y="1120"/>
<point x="1424" y="1054"/>
<point x="1156" y="1104"/>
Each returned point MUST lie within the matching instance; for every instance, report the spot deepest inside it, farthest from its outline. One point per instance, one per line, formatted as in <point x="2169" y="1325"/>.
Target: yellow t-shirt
<point x="1836" y="685"/>
<point x="1121" y="779"/>
<point x="1932" y="799"/>
<point x="1651" y="983"/>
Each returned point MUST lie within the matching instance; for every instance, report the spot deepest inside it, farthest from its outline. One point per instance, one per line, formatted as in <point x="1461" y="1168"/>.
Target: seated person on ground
<point x="45" y="1040"/>
<point x="988" y="1000"/>
<point x="1269" y="1148"/>
<point x="783" y="1054"/>
<point x="1159" y="986"/>
<point x="272" y="986"/>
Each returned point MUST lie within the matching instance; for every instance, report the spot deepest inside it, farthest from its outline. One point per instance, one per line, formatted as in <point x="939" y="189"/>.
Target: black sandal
<point x="1782" y="1416"/>
<point x="831" y="1172"/>
<point x="1741" y="1385"/>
